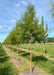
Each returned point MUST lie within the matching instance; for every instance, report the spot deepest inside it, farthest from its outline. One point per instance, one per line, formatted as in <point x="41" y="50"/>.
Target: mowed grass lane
<point x="6" y="67"/>
<point x="40" y="61"/>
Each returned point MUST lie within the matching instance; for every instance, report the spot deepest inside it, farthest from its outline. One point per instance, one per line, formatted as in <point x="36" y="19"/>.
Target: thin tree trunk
<point x="17" y="50"/>
<point x="44" y="45"/>
<point x="30" y="60"/>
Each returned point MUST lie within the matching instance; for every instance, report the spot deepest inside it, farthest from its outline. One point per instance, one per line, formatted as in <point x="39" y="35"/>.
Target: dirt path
<point x="20" y="63"/>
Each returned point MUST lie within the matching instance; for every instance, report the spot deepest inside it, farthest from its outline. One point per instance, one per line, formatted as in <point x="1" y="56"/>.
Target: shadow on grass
<point x="4" y="58"/>
<point x="39" y="58"/>
<point x="6" y="67"/>
<point x="35" y="58"/>
<point x="24" y="54"/>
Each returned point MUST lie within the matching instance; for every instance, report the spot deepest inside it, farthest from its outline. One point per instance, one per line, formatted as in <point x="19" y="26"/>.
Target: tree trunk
<point x="30" y="60"/>
<point x="17" y="50"/>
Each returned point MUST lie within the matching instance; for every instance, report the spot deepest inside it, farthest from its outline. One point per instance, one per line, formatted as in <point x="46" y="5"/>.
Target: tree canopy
<point x="51" y="11"/>
<point x="28" y="24"/>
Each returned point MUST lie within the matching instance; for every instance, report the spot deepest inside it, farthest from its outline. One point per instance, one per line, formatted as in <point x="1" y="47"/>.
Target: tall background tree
<point x="43" y="31"/>
<point x="51" y="11"/>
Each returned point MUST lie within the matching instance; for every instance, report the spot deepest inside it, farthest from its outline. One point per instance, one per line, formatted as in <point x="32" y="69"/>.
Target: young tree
<point x="26" y="29"/>
<point x="43" y="32"/>
<point x="27" y="26"/>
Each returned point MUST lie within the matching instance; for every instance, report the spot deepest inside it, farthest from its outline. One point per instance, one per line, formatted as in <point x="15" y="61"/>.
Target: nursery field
<point x="6" y="67"/>
<point x="39" y="60"/>
<point x="26" y="37"/>
<point x="49" y="47"/>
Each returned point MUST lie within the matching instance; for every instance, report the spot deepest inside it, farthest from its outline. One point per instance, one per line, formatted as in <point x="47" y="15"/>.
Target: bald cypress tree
<point x="28" y="24"/>
<point x="43" y="32"/>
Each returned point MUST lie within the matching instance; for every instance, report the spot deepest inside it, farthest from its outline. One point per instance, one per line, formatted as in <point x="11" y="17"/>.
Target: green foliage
<point x="43" y="32"/>
<point x="28" y="24"/>
<point x="51" y="11"/>
<point x="10" y="38"/>
<point x="50" y="39"/>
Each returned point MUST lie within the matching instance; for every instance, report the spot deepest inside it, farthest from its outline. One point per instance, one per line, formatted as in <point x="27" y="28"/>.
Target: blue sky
<point x="10" y="10"/>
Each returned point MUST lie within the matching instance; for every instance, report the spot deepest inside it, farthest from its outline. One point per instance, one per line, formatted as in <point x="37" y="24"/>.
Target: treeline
<point x="26" y="26"/>
<point x="50" y="39"/>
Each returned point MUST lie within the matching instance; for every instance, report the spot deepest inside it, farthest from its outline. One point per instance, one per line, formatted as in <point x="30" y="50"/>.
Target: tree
<point x="27" y="28"/>
<point x="28" y="25"/>
<point x="50" y="39"/>
<point x="10" y="38"/>
<point x="43" y="32"/>
<point x="51" y="11"/>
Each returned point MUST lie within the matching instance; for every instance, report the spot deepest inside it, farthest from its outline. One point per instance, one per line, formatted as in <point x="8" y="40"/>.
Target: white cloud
<point x="22" y="2"/>
<point x="1" y="27"/>
<point x="17" y="5"/>
<point x="4" y="28"/>
<point x="5" y="25"/>
<point x="12" y="20"/>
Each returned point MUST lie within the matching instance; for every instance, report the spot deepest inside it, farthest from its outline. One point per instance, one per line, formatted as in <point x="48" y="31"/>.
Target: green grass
<point x="48" y="65"/>
<point x="6" y="67"/>
<point x="41" y="61"/>
<point x="40" y="48"/>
